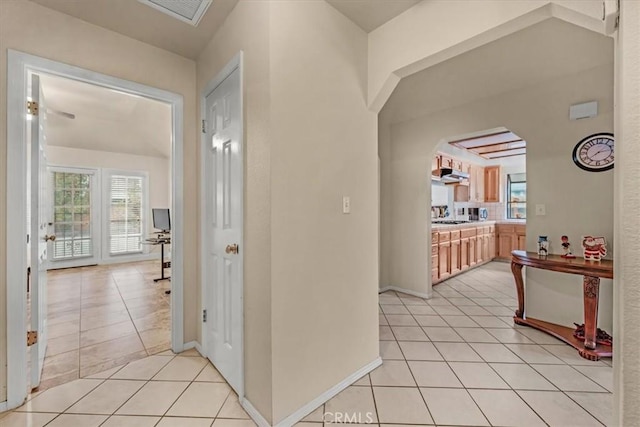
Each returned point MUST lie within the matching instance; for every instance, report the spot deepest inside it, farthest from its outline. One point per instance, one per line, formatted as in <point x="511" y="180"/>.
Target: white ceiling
<point x="134" y="19"/>
<point x="105" y="120"/>
<point x="544" y="51"/>
<point x="141" y="22"/>
<point x="370" y="14"/>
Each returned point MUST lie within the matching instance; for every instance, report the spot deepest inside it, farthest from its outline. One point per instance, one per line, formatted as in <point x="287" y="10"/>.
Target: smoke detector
<point x="189" y="11"/>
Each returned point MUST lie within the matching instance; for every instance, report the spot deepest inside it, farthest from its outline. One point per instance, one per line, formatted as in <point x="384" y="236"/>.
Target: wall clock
<point x="595" y="152"/>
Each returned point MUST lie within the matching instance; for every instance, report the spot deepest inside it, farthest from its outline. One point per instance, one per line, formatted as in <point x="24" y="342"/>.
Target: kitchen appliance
<point x="448" y="175"/>
<point x="478" y="214"/>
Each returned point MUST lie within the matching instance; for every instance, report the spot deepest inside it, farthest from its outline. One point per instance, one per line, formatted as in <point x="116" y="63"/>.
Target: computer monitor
<point x="161" y="219"/>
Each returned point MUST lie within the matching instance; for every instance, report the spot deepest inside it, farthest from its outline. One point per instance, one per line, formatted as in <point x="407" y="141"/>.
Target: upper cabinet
<point x="476" y="183"/>
<point x="492" y="184"/>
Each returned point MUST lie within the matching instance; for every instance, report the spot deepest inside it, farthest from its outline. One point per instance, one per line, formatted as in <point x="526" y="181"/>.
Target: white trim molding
<point x="255" y="415"/>
<point x="405" y="291"/>
<point x="324" y="397"/>
<point x="19" y="67"/>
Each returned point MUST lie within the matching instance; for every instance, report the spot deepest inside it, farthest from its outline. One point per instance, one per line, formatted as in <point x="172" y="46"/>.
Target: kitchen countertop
<point x="436" y="227"/>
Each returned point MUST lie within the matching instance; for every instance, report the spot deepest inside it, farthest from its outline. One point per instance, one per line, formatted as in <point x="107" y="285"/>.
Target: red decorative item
<point x="594" y="248"/>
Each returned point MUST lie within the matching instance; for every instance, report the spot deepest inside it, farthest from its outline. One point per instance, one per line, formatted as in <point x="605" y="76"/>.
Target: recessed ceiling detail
<point x="493" y="145"/>
<point x="189" y="11"/>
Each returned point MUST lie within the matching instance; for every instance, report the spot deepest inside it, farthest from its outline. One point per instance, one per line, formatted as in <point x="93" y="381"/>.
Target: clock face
<point x="594" y="153"/>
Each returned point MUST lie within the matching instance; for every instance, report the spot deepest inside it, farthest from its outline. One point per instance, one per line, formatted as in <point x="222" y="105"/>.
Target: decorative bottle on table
<point x="543" y="245"/>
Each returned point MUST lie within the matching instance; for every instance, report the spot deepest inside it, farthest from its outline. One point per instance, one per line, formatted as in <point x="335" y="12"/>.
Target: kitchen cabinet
<point x="444" y="255"/>
<point x="446" y="162"/>
<point x="457" y="165"/>
<point x="492" y="184"/>
<point x="454" y="256"/>
<point x="510" y="237"/>
<point x="476" y="183"/>
<point x="435" y="165"/>
<point x="456" y="249"/>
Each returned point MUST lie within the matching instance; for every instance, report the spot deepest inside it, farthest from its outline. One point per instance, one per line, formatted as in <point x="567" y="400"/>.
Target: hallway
<point x="454" y="360"/>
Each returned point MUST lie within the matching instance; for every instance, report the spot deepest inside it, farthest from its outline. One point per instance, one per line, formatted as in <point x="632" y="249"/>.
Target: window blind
<point x="125" y="214"/>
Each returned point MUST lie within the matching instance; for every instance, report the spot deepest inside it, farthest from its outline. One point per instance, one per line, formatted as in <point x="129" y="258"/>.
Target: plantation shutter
<point x="125" y="214"/>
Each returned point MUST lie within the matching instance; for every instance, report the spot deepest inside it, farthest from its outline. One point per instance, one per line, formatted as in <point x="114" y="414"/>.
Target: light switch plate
<point x="346" y="204"/>
<point x="541" y="210"/>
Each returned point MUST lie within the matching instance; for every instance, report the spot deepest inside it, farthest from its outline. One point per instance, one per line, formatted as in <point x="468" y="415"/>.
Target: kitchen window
<point x="517" y="196"/>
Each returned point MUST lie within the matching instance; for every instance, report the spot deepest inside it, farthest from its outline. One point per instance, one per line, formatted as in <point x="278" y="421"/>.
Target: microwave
<point x="478" y="214"/>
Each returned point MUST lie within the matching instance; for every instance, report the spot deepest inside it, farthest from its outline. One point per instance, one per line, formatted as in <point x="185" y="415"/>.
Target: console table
<point x="591" y="271"/>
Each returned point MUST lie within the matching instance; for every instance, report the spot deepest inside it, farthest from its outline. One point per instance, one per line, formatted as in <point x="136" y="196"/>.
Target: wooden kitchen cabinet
<point x="454" y="250"/>
<point x="446" y="162"/>
<point x="457" y="165"/>
<point x="492" y="184"/>
<point x="435" y="164"/>
<point x="476" y="183"/>
<point x="510" y="237"/>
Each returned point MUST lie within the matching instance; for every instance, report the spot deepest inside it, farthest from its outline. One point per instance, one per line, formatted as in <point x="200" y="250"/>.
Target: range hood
<point x="448" y="175"/>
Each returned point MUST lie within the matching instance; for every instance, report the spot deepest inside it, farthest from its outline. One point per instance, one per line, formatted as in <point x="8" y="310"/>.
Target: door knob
<point x="232" y="249"/>
<point x="47" y="237"/>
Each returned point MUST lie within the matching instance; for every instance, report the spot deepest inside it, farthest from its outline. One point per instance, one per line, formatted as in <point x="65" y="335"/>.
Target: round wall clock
<point x="595" y="152"/>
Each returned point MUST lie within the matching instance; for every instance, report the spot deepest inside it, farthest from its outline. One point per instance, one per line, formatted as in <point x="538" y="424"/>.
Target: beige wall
<point x="627" y="268"/>
<point x="157" y="168"/>
<point x="577" y="203"/>
<point x="425" y="34"/>
<point x="65" y="39"/>
<point x="247" y="29"/>
<point x="539" y="114"/>
<point x="324" y="147"/>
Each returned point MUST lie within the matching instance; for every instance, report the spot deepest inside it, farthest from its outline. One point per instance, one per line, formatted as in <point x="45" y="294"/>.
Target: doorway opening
<point x="111" y="151"/>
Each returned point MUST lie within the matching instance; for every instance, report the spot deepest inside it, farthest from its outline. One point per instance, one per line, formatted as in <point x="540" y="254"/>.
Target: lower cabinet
<point x="455" y="251"/>
<point x="510" y="237"/>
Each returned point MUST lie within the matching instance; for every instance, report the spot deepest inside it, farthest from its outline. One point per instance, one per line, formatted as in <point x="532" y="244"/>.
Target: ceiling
<point x="541" y="52"/>
<point x="136" y="20"/>
<point x="105" y="120"/>
<point x="370" y="14"/>
<point x="141" y="22"/>
<point x="493" y="145"/>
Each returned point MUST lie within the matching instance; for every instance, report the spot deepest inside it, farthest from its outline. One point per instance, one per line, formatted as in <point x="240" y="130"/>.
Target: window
<point x="126" y="195"/>
<point x="517" y="196"/>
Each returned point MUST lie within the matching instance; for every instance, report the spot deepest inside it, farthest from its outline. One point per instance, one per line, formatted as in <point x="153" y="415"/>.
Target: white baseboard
<point x="324" y="397"/>
<point x="3" y="406"/>
<point x="405" y="291"/>
<point x="254" y="414"/>
<point x="193" y="344"/>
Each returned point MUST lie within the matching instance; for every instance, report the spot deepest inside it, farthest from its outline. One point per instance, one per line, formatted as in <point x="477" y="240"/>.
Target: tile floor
<point x="454" y="360"/>
<point x="104" y="316"/>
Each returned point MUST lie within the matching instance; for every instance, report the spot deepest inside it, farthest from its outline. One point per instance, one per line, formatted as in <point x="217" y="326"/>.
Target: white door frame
<point x="235" y="63"/>
<point x="19" y="66"/>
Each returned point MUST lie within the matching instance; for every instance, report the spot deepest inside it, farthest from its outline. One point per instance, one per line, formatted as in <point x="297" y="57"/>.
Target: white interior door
<point x="223" y="280"/>
<point x="39" y="233"/>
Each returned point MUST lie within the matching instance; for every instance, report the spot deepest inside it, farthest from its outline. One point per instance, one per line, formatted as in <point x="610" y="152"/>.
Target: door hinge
<point x="204" y="315"/>
<point x="204" y="126"/>
<point x="32" y="338"/>
<point x="32" y="108"/>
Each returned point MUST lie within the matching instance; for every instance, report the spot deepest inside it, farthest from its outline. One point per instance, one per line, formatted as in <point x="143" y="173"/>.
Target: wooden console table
<point x="591" y="271"/>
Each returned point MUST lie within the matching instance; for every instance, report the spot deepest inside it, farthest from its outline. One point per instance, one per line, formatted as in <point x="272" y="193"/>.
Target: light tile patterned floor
<point x="104" y="316"/>
<point x="469" y="367"/>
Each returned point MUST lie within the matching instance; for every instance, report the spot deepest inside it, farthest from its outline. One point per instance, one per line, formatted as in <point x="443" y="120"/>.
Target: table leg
<point x="516" y="269"/>
<point x="591" y="294"/>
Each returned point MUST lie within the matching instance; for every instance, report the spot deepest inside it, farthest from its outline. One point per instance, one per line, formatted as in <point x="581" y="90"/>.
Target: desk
<point x="161" y="240"/>
<point x="592" y="272"/>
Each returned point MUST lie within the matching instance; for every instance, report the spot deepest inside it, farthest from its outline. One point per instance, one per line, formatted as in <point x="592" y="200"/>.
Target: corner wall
<point x="247" y="29"/>
<point x="539" y="114"/>
<point x="62" y="38"/>
<point x="324" y="147"/>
